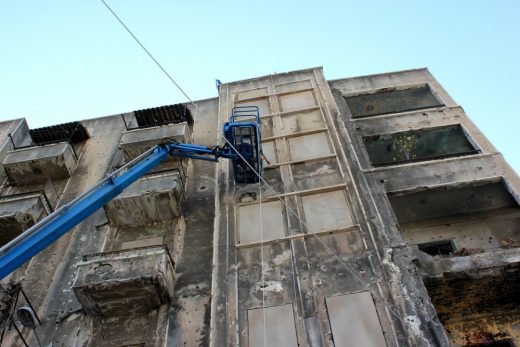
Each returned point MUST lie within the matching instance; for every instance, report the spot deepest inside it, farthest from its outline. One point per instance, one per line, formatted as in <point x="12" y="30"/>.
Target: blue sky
<point x="70" y="60"/>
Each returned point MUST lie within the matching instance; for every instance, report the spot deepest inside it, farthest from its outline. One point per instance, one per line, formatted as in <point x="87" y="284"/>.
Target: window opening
<point x="441" y="248"/>
<point x="391" y="100"/>
<point x="418" y="145"/>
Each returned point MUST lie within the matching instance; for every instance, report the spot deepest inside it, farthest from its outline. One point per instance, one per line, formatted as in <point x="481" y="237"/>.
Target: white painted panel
<point x="303" y="121"/>
<point x="297" y="101"/>
<point x="354" y="321"/>
<point x="249" y="222"/>
<point x="262" y="104"/>
<point x="280" y="329"/>
<point x="252" y="93"/>
<point x="292" y="86"/>
<point x="309" y="146"/>
<point x="326" y="211"/>
<point x="268" y="148"/>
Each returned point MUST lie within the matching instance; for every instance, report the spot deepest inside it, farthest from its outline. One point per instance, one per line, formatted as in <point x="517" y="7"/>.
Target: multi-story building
<point x="386" y="219"/>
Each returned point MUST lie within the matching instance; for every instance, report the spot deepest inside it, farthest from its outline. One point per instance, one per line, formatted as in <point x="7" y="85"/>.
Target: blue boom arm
<point x="39" y="236"/>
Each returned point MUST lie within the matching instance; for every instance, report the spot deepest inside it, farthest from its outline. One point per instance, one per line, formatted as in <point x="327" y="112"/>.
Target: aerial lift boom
<point x="243" y="148"/>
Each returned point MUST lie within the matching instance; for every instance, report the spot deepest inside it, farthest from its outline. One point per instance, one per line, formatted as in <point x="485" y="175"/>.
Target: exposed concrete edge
<point x="437" y="267"/>
<point x="380" y="74"/>
<point x="275" y="74"/>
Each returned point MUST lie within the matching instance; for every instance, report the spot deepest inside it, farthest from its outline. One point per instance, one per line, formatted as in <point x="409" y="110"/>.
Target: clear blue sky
<point x="70" y="60"/>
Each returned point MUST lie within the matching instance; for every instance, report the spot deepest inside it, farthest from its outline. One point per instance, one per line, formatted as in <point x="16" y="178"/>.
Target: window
<point x="418" y="145"/>
<point x="392" y="101"/>
<point x="326" y="211"/>
<point x="451" y="200"/>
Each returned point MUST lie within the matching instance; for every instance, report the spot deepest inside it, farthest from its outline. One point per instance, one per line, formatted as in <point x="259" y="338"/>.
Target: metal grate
<point x="73" y="132"/>
<point x="151" y="117"/>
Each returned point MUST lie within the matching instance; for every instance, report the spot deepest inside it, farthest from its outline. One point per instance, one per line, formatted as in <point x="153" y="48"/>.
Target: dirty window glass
<point x="418" y="145"/>
<point x="392" y="101"/>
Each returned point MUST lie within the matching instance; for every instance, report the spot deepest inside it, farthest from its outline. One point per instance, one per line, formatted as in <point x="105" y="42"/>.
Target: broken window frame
<point x="460" y="127"/>
<point x="473" y="183"/>
<point x="439" y="245"/>
<point x="395" y="89"/>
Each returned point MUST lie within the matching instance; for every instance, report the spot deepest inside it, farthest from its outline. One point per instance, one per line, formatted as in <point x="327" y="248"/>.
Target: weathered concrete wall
<point x="312" y="218"/>
<point x="470" y="230"/>
<point x="325" y="241"/>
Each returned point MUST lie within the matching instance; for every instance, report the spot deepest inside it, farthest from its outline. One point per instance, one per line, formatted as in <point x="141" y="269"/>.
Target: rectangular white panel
<point x="326" y="211"/>
<point x="280" y="329"/>
<point x="297" y="101"/>
<point x="309" y="146"/>
<point x="249" y="222"/>
<point x="354" y="321"/>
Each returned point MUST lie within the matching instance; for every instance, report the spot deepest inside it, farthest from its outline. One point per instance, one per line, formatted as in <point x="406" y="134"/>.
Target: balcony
<point x="19" y="212"/>
<point x="137" y="141"/>
<point x="152" y="199"/>
<point x="57" y="160"/>
<point x="125" y="282"/>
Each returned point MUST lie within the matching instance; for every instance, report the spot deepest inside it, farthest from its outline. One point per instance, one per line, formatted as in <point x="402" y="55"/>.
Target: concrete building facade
<point x="386" y="219"/>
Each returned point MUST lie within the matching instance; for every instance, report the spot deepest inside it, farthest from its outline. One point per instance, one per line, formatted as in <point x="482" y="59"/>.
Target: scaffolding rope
<point x="261" y="179"/>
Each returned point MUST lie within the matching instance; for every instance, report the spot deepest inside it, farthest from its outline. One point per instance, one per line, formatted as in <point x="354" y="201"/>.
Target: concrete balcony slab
<point x="125" y="283"/>
<point x="19" y="212"/>
<point x="137" y="141"/>
<point x="55" y="161"/>
<point x="152" y="199"/>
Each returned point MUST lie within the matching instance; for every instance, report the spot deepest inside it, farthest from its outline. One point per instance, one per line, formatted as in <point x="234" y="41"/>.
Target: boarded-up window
<point x="418" y="145"/>
<point x="354" y="321"/>
<point x="297" y="101"/>
<point x="309" y="146"/>
<point x="326" y="211"/>
<point x="280" y="329"/>
<point x="262" y="104"/>
<point x="304" y="121"/>
<point x="392" y="101"/>
<point x="249" y="222"/>
<point x="268" y="148"/>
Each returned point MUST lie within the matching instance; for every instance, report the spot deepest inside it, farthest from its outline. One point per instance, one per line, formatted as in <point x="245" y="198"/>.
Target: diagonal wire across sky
<point x="63" y="61"/>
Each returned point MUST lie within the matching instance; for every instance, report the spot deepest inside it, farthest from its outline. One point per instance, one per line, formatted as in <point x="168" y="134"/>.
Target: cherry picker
<point x="243" y="147"/>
